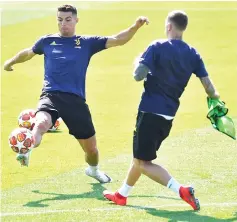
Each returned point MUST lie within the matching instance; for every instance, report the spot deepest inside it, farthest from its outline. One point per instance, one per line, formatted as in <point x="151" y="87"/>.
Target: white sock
<point x="125" y="189"/>
<point x="93" y="168"/>
<point x="174" y="185"/>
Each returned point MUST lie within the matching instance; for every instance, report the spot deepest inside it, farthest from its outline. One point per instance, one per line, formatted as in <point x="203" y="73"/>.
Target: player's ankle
<point x="174" y="185"/>
<point x="125" y="190"/>
<point x="93" y="168"/>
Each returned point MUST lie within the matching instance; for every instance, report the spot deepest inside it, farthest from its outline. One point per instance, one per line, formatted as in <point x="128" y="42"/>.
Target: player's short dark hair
<point x="67" y="8"/>
<point x="179" y="19"/>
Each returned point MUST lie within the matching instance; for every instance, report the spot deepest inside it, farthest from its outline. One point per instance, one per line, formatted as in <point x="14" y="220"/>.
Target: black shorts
<point x="151" y="130"/>
<point x="72" y="109"/>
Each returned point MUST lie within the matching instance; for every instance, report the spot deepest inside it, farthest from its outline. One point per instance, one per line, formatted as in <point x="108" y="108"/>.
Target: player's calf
<point x="92" y="158"/>
<point x="42" y="125"/>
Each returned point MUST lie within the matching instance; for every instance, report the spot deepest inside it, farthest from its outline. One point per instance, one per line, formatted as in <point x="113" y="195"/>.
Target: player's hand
<point x="141" y="21"/>
<point x="8" y="65"/>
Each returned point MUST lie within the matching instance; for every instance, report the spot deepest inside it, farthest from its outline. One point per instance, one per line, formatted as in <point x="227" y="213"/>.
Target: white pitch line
<point x="231" y="204"/>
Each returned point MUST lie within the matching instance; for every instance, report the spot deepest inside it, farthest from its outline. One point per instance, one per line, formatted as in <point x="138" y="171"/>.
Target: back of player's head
<point x="67" y="8"/>
<point x="179" y="19"/>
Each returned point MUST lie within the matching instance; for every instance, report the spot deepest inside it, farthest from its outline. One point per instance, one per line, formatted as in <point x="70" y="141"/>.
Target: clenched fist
<point x="8" y="65"/>
<point x="141" y="21"/>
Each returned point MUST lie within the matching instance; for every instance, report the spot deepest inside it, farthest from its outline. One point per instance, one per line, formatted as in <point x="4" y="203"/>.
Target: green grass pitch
<point x="54" y="187"/>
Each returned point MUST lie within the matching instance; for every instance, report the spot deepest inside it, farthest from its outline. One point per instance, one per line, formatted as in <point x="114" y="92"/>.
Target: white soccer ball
<point x="26" y="119"/>
<point x="21" y="140"/>
<point x="56" y="125"/>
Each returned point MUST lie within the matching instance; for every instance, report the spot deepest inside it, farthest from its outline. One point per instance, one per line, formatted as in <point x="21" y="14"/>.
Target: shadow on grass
<point x="176" y="216"/>
<point x="160" y="197"/>
<point x="96" y="193"/>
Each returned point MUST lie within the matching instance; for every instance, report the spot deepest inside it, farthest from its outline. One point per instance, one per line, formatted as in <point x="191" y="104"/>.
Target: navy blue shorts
<point x="72" y="109"/>
<point x="151" y="130"/>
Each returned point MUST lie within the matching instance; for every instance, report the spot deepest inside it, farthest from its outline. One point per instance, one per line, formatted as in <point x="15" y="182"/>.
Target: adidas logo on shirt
<point x="54" y="43"/>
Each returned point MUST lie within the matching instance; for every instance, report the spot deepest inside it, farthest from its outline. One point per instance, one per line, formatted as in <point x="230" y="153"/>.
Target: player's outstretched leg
<point x="156" y="173"/>
<point x="92" y="158"/>
<point x="162" y="176"/>
<point x="42" y="125"/>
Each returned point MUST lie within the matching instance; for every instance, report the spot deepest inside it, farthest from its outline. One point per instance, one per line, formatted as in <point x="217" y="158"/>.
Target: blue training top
<point x="171" y="64"/>
<point x="66" y="60"/>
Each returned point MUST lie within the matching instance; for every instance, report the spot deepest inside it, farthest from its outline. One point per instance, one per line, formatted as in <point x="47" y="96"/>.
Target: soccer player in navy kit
<point x="166" y="66"/>
<point x="66" y="58"/>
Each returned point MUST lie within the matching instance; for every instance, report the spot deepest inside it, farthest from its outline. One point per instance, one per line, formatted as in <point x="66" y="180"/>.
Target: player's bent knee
<point x="141" y="164"/>
<point x="138" y="163"/>
<point x="89" y="146"/>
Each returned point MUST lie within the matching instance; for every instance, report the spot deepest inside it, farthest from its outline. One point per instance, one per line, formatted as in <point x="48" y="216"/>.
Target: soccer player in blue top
<point x="66" y="58"/>
<point x="166" y="66"/>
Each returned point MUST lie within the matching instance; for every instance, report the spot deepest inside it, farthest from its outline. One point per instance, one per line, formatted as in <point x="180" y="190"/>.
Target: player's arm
<point x="140" y="72"/>
<point x="22" y="56"/>
<point x="126" y="35"/>
<point x="209" y="87"/>
<point x="145" y="63"/>
<point x="202" y="74"/>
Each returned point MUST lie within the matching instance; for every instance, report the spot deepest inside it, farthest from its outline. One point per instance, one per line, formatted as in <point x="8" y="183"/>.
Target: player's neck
<point x="67" y="36"/>
<point x="175" y="37"/>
